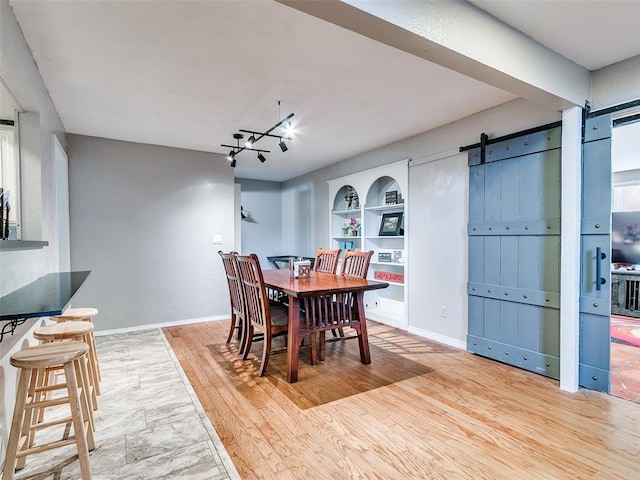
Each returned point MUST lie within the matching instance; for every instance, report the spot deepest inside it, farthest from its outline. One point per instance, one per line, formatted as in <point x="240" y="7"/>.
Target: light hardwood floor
<point x="421" y="410"/>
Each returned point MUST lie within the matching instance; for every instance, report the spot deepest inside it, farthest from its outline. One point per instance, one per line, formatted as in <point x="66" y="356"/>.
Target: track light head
<point x="250" y="141"/>
<point x="288" y="128"/>
<point x="231" y="155"/>
<point x="262" y="158"/>
<point x="233" y="162"/>
<point x="283" y="146"/>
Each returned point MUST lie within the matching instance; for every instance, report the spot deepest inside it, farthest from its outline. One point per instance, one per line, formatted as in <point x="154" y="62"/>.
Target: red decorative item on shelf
<point x="388" y="276"/>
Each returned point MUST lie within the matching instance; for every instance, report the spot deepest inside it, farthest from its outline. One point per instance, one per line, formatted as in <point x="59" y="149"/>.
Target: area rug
<point x="625" y="330"/>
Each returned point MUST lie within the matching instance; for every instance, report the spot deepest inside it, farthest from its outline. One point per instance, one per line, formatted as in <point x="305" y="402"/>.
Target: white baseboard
<point x="176" y="323"/>
<point x="452" y="342"/>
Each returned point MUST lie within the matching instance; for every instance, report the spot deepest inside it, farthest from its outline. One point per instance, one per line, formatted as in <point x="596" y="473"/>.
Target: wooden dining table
<point x="312" y="291"/>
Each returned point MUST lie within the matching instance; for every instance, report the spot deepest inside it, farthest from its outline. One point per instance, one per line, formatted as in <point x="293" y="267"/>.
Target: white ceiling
<point x="591" y="33"/>
<point x="190" y="74"/>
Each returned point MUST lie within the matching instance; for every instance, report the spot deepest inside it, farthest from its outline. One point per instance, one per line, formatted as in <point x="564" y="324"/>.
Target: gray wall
<point x="143" y="218"/>
<point x="262" y="229"/>
<point x="616" y="84"/>
<point x="437" y="221"/>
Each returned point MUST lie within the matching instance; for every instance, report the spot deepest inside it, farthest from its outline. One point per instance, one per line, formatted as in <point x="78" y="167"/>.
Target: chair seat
<point x="279" y="315"/>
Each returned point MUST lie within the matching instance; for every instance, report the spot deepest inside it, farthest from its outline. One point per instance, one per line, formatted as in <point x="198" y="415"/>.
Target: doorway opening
<point x="625" y="258"/>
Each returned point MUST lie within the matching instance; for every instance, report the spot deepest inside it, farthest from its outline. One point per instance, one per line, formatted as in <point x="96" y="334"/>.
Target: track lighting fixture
<point x="235" y="149"/>
<point x="255" y="136"/>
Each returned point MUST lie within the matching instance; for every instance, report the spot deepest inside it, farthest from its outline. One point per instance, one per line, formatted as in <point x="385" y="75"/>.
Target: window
<point x="9" y="179"/>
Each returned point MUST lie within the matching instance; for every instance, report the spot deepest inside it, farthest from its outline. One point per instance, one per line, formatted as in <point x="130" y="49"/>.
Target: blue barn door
<point x="595" y="284"/>
<point x="514" y="250"/>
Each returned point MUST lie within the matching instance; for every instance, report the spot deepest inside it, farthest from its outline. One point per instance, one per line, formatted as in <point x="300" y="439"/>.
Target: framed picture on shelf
<point x="398" y="256"/>
<point x="391" y="224"/>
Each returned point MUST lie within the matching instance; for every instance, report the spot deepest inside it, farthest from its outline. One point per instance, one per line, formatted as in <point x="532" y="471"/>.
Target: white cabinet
<point x="368" y="212"/>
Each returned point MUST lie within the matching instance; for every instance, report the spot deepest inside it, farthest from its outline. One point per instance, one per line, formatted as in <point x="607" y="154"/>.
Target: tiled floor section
<point x="149" y="425"/>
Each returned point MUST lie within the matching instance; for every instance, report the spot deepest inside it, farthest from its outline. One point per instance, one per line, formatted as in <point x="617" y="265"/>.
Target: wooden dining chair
<point x="236" y="300"/>
<point x="262" y="316"/>
<point x="326" y="261"/>
<point x="354" y="264"/>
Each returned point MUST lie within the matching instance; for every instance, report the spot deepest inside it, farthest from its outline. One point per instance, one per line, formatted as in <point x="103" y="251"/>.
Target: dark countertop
<point x="44" y="297"/>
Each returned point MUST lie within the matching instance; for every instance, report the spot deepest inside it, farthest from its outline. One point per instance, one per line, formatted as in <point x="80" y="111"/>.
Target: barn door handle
<point x="599" y="280"/>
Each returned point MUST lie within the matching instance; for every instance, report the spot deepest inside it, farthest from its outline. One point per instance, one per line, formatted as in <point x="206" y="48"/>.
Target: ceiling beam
<point x="463" y="38"/>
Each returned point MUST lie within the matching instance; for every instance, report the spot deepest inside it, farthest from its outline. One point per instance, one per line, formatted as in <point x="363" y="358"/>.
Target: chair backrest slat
<point x="356" y="264"/>
<point x="326" y="261"/>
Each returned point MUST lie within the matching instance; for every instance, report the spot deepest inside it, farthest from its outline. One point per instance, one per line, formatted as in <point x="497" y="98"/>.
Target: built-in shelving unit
<point x="384" y="191"/>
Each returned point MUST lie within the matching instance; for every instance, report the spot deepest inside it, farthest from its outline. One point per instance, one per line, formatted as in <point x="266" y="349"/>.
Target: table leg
<point x="293" y="342"/>
<point x="363" y="337"/>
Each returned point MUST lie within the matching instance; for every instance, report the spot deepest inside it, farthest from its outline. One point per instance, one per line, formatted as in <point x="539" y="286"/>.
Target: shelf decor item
<point x="391" y="224"/>
<point x="351" y="199"/>
<point x="391" y="197"/>
<point x="346" y="245"/>
<point x="384" y="256"/>
<point x="388" y="276"/>
<point x="352" y="228"/>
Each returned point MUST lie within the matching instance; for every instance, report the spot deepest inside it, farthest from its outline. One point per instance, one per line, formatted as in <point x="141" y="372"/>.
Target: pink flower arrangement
<point x="352" y="227"/>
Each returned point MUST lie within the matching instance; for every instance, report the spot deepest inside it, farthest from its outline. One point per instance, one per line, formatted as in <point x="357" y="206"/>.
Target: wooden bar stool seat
<point x="33" y="362"/>
<point x="82" y="314"/>
<point x="74" y="330"/>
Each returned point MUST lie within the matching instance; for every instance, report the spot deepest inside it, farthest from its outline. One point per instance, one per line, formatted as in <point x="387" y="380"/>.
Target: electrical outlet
<point x="217" y="239"/>
<point x="443" y="311"/>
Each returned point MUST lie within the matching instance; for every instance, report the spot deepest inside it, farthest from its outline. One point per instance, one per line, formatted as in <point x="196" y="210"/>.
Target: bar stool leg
<point x="16" y="425"/>
<point x="30" y="415"/>
<point x="44" y="380"/>
<point x="94" y="369"/>
<point x="87" y="392"/>
<point x="95" y="353"/>
<point x="84" y="442"/>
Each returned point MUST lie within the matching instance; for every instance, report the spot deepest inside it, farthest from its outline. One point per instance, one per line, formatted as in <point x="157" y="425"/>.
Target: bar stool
<point x="33" y="362"/>
<point x="81" y="331"/>
<point x="84" y="314"/>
